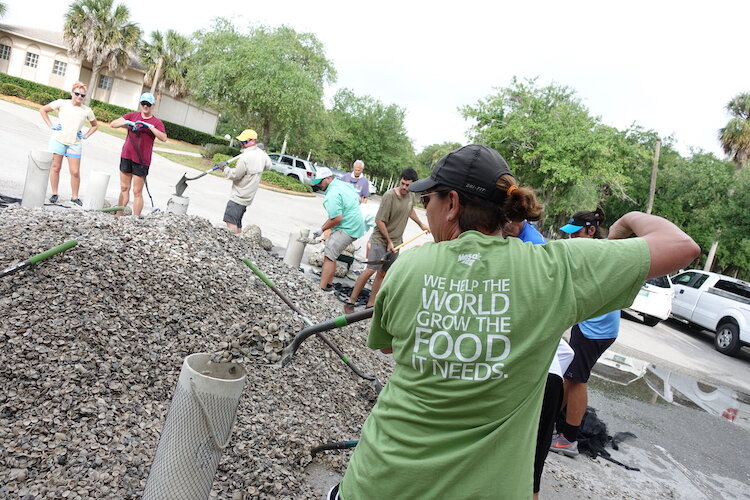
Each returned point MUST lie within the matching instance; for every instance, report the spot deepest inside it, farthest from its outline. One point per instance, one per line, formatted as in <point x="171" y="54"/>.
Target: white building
<point x="41" y="56"/>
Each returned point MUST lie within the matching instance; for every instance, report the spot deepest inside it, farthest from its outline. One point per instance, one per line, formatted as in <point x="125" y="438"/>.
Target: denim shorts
<point x="58" y="148"/>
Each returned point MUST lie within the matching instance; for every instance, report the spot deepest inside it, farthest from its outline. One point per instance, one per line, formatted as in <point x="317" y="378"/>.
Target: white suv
<point x="293" y="166"/>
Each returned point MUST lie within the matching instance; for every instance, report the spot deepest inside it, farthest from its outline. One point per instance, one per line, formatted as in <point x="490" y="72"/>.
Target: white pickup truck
<point x="715" y="302"/>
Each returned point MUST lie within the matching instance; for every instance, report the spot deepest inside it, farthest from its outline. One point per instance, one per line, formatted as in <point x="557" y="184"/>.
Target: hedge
<point x="12" y="89"/>
<point x="285" y="182"/>
<point x="40" y="97"/>
<point x="174" y="131"/>
<point x="103" y="115"/>
<point x="209" y="150"/>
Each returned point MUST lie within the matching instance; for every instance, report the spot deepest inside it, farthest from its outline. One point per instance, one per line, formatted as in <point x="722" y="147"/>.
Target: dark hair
<point x="409" y="174"/>
<point x="596" y="218"/>
<point x="482" y="214"/>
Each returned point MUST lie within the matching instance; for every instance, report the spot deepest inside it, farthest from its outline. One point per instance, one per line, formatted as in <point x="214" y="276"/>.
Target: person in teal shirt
<point x="344" y="220"/>
<point x="473" y="322"/>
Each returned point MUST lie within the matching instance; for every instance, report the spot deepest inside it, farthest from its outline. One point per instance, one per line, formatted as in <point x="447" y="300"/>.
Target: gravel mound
<point x="94" y="339"/>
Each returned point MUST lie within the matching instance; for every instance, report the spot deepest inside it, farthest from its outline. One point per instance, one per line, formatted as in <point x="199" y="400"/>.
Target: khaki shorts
<point x="378" y="252"/>
<point x="337" y="243"/>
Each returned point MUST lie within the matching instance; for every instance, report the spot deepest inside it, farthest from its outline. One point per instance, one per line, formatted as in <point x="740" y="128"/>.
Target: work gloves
<point x="317" y="234"/>
<point x="81" y="135"/>
<point x="144" y="124"/>
<point x="55" y="127"/>
<point x="221" y="164"/>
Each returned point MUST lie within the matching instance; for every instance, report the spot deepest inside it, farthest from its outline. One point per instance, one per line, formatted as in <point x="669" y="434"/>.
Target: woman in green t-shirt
<point x="473" y="322"/>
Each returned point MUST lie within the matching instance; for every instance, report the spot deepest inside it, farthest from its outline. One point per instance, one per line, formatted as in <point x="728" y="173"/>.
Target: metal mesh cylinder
<point x="198" y="427"/>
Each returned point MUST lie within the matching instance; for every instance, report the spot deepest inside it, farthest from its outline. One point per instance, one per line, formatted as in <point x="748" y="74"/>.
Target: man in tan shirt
<point x="396" y="208"/>
<point x="245" y="178"/>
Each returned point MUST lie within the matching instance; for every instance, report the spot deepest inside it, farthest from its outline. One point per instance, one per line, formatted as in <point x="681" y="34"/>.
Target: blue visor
<point x="570" y="228"/>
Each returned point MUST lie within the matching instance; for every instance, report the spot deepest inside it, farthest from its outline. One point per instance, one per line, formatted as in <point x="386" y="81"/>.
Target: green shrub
<point x="103" y="115"/>
<point x="12" y="89"/>
<point x="285" y="182"/>
<point x="32" y="87"/>
<point x="218" y="157"/>
<point x="210" y="150"/>
<point x="40" y="97"/>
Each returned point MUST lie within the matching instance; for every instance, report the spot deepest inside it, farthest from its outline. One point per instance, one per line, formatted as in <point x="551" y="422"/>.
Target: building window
<point x="105" y="82"/>
<point x="32" y="60"/>
<point x="4" y="52"/>
<point x="59" y="68"/>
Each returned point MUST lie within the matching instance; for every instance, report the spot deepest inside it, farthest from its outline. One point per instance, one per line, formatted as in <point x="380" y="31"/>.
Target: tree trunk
<point x="711" y="254"/>
<point x="155" y="81"/>
<point x="654" y="170"/>
<point x="92" y="84"/>
<point x="266" y="132"/>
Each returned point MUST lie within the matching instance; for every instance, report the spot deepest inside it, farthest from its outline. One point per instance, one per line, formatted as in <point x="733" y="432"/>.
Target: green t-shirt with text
<point x="474" y="323"/>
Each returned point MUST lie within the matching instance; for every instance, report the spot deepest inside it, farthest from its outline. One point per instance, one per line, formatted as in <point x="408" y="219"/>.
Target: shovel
<point x="390" y="257"/>
<point x="313" y="329"/>
<point x="36" y="259"/>
<point x="182" y="183"/>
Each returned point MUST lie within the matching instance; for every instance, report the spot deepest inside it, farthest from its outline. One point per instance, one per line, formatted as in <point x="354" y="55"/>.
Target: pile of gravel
<point x="94" y="338"/>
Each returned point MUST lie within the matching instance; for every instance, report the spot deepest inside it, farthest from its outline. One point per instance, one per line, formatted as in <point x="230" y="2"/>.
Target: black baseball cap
<point x="472" y="169"/>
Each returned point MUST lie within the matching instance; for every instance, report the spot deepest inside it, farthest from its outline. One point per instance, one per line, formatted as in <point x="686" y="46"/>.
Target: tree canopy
<point x="553" y="144"/>
<point x="164" y="59"/>
<point x="101" y="32"/>
<point x="735" y="136"/>
<point x="272" y="78"/>
<point x="368" y="130"/>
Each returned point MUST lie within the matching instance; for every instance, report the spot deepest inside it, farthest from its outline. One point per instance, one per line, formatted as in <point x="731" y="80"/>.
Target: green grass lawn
<point x="195" y="162"/>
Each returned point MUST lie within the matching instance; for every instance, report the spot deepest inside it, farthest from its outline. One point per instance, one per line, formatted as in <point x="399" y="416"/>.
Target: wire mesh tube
<point x="37" y="177"/>
<point x="198" y="427"/>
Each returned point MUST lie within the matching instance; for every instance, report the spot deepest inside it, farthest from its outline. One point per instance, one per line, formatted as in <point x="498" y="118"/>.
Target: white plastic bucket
<point x="37" y="178"/>
<point x="295" y="247"/>
<point x="98" y="183"/>
<point x="178" y="204"/>
<point x="198" y="427"/>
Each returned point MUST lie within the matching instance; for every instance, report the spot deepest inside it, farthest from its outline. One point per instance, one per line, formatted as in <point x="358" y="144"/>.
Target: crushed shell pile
<point x="93" y="340"/>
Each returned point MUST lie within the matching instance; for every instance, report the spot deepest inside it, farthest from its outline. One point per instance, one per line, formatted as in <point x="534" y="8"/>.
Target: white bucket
<point x="98" y="183"/>
<point x="37" y="178"/>
<point x="178" y="204"/>
<point x="295" y="247"/>
<point x="197" y="429"/>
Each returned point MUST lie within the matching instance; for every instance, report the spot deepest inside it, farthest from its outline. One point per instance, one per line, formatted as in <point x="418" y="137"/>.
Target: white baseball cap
<point x="321" y="174"/>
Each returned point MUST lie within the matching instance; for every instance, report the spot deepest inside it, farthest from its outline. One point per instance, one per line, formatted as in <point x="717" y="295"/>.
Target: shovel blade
<point x="181" y="186"/>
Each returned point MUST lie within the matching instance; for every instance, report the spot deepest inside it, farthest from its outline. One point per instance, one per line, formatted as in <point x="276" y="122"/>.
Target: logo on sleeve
<point x="469" y="258"/>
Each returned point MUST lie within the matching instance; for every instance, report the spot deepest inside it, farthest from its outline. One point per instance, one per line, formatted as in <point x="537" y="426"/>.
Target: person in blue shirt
<point x="524" y="231"/>
<point x="588" y="339"/>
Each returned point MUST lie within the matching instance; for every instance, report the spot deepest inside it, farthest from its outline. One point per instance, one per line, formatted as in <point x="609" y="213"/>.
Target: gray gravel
<point x="94" y="338"/>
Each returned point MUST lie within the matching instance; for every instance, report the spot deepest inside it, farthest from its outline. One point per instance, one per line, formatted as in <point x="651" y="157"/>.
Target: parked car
<point x="293" y="166"/>
<point x="717" y="303"/>
<point x="654" y="300"/>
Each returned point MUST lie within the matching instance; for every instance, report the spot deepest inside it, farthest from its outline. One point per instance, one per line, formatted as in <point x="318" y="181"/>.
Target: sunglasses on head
<point x="145" y="103"/>
<point x="79" y="94"/>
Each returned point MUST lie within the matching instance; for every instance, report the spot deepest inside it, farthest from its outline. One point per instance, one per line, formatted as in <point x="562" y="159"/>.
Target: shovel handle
<point x="52" y="251"/>
<point x="117" y="208"/>
<point x="410" y="240"/>
<point x="252" y="265"/>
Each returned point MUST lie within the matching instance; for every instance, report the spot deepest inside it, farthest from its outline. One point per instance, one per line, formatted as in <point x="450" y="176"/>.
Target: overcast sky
<point x="666" y="65"/>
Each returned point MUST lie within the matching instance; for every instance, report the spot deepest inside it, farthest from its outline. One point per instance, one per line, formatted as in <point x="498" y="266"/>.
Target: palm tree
<point x="100" y="32"/>
<point x="735" y="137"/>
<point x="164" y="58"/>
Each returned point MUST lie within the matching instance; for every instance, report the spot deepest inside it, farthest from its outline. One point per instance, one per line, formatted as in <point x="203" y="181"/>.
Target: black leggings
<point x="553" y="397"/>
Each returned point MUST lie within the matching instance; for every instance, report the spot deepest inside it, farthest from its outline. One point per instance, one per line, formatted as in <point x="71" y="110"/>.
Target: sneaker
<point x="77" y="201"/>
<point x="562" y="445"/>
<point x="348" y="308"/>
<point x="327" y="289"/>
<point x="53" y="198"/>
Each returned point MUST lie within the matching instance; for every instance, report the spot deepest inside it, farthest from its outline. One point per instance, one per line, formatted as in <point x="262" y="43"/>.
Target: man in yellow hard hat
<point x="245" y="178"/>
